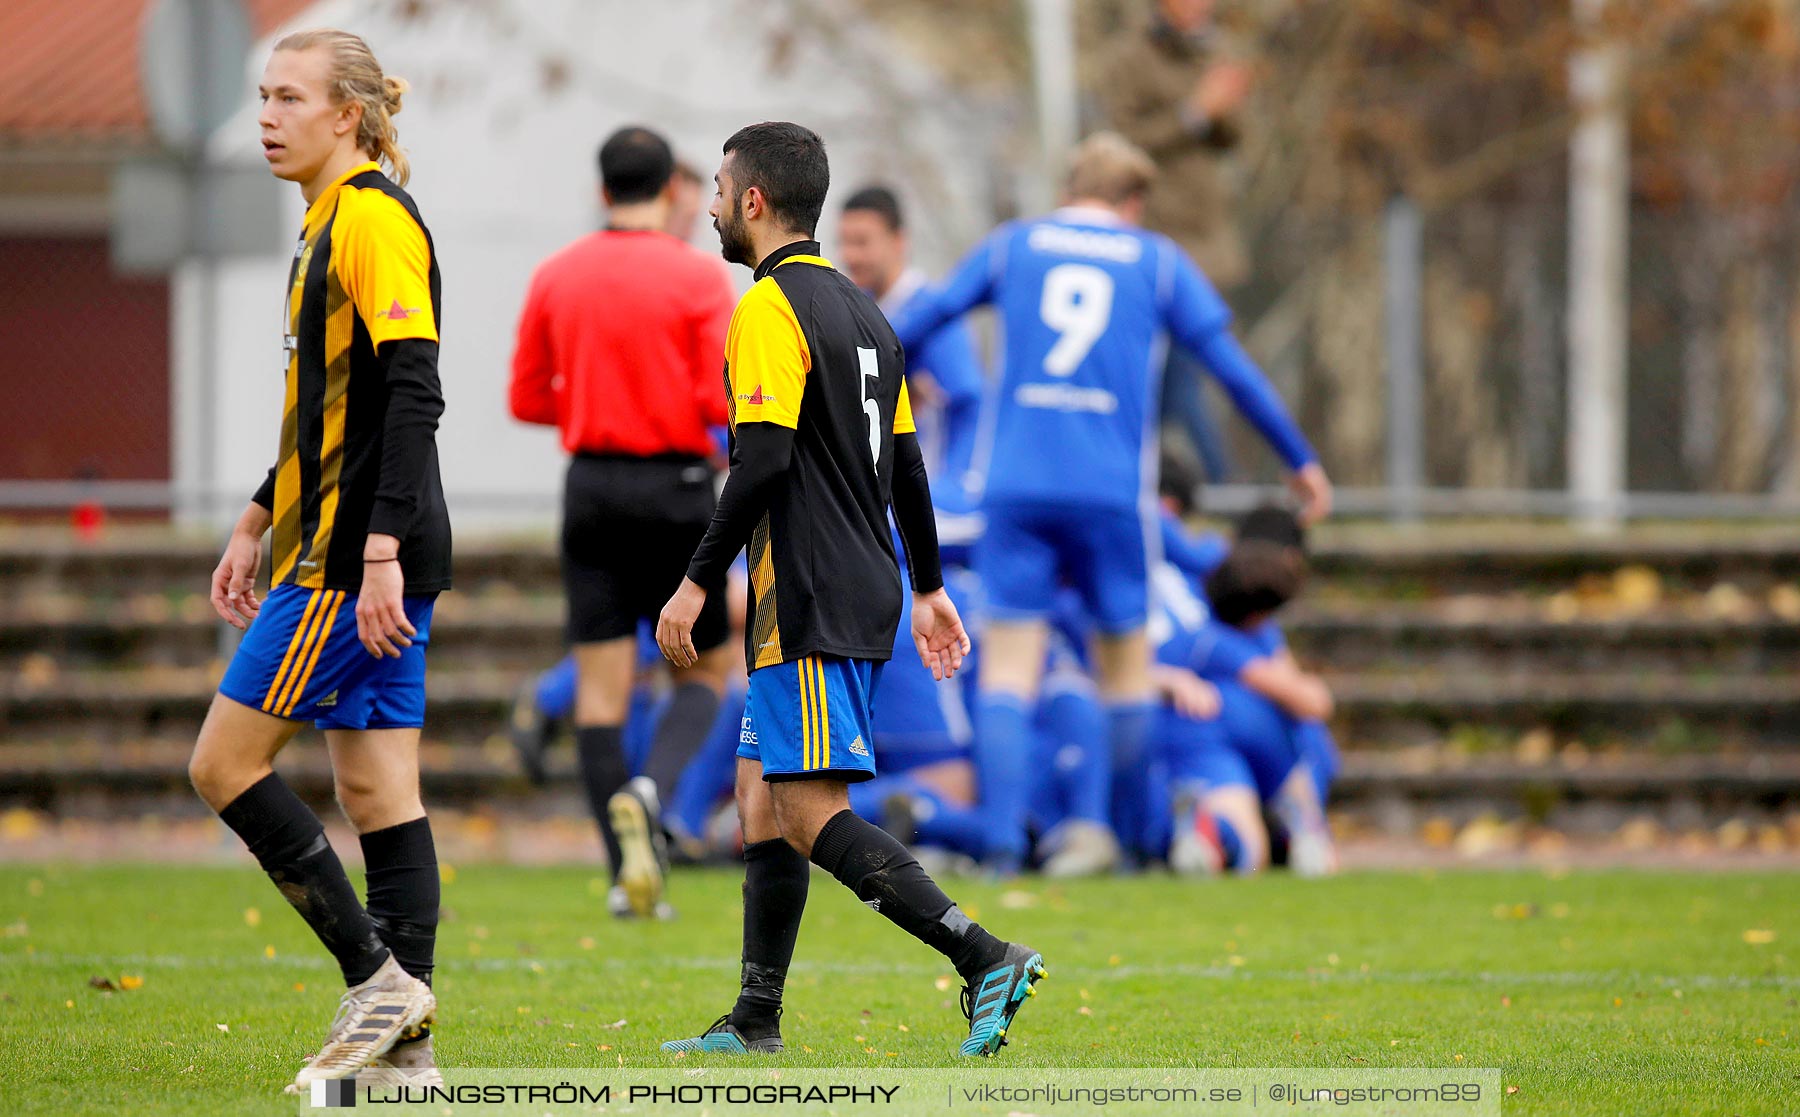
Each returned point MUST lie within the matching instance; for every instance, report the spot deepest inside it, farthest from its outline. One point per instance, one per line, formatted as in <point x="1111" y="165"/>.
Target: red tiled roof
<point x="69" y="68"/>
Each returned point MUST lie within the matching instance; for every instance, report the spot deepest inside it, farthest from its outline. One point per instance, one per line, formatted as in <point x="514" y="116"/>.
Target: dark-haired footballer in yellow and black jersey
<point x="358" y="456"/>
<point x="818" y="396"/>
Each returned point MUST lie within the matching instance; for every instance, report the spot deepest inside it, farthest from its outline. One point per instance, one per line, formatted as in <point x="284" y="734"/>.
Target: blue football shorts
<point x="301" y="660"/>
<point x="1030" y="550"/>
<point x="812" y="719"/>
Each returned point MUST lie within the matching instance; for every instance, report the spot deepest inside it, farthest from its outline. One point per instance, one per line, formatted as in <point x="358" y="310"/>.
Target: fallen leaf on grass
<point x="1510" y="1090"/>
<point x="104" y="984"/>
<point x="942" y="983"/>
<point x="223" y="1027"/>
<point x="131" y="981"/>
<point x="252" y="917"/>
<point x="1759" y="937"/>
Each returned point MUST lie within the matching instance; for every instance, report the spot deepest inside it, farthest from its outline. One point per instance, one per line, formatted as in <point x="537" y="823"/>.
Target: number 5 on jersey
<point x="871" y="385"/>
<point x="1077" y="304"/>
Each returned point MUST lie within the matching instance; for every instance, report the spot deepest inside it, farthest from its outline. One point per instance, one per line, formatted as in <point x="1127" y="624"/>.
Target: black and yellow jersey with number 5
<point x="809" y="351"/>
<point x="358" y="427"/>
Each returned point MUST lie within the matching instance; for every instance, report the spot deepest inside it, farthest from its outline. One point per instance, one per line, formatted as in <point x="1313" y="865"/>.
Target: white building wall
<point x="510" y="101"/>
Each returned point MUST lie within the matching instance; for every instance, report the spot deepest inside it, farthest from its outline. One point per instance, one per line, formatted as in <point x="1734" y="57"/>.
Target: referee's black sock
<point x="601" y="749"/>
<point x="683" y="729"/>
<point x="403" y="893"/>
<point x="883" y="874"/>
<point x="288" y="841"/>
<point x="775" y="880"/>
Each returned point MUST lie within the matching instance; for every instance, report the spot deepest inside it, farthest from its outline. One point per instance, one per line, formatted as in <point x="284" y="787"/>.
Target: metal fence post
<point x="1403" y="263"/>
<point x="1599" y="198"/>
<point x="1051" y="27"/>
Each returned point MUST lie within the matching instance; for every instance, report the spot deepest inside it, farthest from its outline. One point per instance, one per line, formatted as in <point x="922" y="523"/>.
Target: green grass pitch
<point x="1595" y="993"/>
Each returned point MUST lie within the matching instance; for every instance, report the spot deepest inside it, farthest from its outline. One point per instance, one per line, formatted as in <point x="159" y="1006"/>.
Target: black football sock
<point x="775" y="880"/>
<point x="403" y="892"/>
<point x="288" y="841"/>
<point x="601" y="750"/>
<point x="685" y="724"/>
<point x="883" y="874"/>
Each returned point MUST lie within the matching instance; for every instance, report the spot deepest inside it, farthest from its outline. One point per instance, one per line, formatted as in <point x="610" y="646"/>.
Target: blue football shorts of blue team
<point x="301" y="660"/>
<point x="812" y="718"/>
<point x="1031" y="550"/>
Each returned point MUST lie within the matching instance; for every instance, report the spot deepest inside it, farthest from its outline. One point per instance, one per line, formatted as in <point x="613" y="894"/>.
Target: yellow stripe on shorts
<point x="331" y="611"/>
<point x="805" y="716"/>
<point x="293" y="648"/>
<point x="824" y="713"/>
<point x="306" y="649"/>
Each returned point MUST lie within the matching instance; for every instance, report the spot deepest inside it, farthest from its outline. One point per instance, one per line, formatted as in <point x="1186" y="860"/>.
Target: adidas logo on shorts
<point x="857" y="748"/>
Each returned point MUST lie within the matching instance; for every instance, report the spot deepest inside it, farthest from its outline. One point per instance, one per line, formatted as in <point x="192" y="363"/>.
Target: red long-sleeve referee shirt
<point x="622" y="345"/>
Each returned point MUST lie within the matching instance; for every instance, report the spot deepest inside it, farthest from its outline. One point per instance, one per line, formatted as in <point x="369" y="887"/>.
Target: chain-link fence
<point x="1712" y="413"/>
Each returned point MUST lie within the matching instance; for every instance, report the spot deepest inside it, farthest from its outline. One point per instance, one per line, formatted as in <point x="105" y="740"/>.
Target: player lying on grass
<point x="822" y="445"/>
<point x="1269" y="744"/>
<point x="361" y="550"/>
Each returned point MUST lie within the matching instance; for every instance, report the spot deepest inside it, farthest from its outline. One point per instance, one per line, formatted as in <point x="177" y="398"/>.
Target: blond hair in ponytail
<point x="356" y="76"/>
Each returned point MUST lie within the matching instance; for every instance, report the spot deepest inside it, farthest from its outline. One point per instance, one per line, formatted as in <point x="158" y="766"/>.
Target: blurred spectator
<point x="1176" y="90"/>
<point x="687" y="197"/>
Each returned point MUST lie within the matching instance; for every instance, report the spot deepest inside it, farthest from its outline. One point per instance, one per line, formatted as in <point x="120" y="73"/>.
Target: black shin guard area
<point x="601" y="750"/>
<point x="289" y="843"/>
<point x="684" y="727"/>
<point x="404" y="891"/>
<point x="775" y="881"/>
<point x="886" y="876"/>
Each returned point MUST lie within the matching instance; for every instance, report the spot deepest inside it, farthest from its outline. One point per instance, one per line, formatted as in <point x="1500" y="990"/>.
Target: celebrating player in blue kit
<point x="1087" y="303"/>
<point x="822" y="444"/>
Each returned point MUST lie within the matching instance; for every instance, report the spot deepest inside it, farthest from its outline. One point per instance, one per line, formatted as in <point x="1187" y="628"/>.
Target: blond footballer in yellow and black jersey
<point x="811" y="354"/>
<point x="358" y="450"/>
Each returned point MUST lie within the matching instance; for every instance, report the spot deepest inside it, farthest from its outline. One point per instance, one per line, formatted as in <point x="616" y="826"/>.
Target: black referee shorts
<point x="630" y="525"/>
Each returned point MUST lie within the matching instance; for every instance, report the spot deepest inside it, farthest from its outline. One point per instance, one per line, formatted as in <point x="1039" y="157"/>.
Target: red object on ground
<point x="88" y="518"/>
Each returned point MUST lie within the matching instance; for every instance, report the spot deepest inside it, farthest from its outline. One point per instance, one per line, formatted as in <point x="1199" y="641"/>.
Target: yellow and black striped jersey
<point x="358" y="448"/>
<point x="809" y="351"/>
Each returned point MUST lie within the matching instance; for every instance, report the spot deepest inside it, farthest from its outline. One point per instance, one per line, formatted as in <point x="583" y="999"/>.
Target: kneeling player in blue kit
<point x="1269" y="744"/>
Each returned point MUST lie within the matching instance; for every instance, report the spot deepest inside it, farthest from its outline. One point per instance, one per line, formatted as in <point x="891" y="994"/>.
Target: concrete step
<point x="1671" y="712"/>
<point x="1478" y="635"/>
<point x="1356" y="558"/>
<point x="44" y="774"/>
<point x="1462" y="635"/>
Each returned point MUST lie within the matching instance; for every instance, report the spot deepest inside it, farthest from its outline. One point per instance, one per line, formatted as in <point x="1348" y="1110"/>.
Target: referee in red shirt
<point x="621" y="346"/>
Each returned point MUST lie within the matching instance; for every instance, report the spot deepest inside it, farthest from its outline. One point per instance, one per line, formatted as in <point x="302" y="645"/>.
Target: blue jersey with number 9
<point x="1087" y="306"/>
